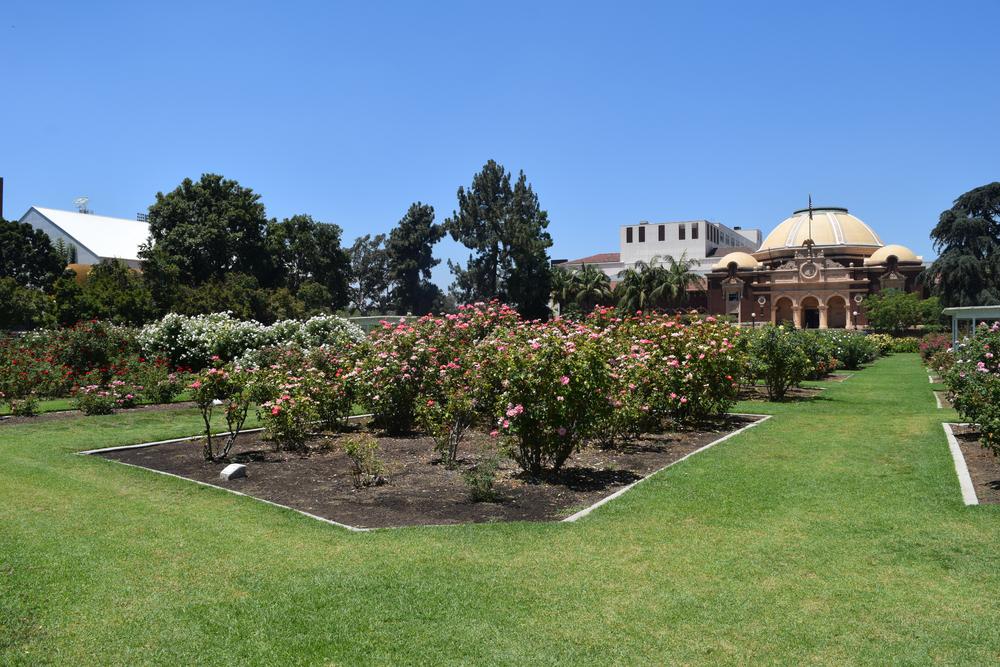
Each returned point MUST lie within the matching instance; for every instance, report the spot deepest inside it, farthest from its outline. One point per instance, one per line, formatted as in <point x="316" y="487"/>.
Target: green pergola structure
<point x="972" y="314"/>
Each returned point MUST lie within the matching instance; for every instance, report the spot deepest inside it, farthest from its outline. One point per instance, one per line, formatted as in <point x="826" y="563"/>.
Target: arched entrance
<point x="810" y="313"/>
<point x="783" y="311"/>
<point x="836" y="312"/>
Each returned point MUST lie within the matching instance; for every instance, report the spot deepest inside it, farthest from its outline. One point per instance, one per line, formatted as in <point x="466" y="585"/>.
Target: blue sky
<point x="617" y="112"/>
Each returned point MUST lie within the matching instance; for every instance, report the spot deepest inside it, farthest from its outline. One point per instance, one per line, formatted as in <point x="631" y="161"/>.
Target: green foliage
<point x="933" y="343"/>
<point x="367" y="468"/>
<point x="967" y="239"/>
<point x="370" y="281"/>
<point x="236" y="389"/>
<point x="481" y="479"/>
<point x="777" y="357"/>
<point x="306" y="251"/>
<point x="505" y="227"/>
<point x="410" y="259"/>
<point x="208" y="229"/>
<point x="655" y="285"/>
<point x="115" y="293"/>
<point x="974" y="381"/>
<point x="28" y="257"/>
<point x="24" y="307"/>
<point x="894" y="311"/>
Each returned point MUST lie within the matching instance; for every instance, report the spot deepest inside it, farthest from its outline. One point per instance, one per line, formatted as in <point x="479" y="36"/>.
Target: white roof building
<point x="92" y="238"/>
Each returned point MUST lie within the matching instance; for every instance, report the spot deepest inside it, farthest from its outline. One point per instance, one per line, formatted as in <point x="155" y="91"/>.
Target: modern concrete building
<point x="699" y="240"/>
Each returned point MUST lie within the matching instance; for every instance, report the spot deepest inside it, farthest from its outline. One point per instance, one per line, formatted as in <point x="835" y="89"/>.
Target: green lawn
<point x="833" y="533"/>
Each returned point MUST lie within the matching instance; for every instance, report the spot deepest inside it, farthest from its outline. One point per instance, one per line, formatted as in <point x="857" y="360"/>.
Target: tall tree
<point x="207" y="229"/>
<point x="369" y="288"/>
<point x="306" y="251"/>
<point x="680" y="278"/>
<point x="410" y="259"/>
<point x="28" y="256"/>
<point x="112" y="291"/>
<point x="592" y="287"/>
<point x="505" y="227"/>
<point x="967" y="239"/>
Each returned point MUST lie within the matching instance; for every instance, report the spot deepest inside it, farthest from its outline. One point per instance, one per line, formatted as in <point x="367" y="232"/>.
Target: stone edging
<point x="357" y="529"/>
<point x="587" y="510"/>
<point x="964" y="479"/>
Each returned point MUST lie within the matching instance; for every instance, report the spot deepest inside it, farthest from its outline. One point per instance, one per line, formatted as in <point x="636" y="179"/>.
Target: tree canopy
<point x="505" y="227"/>
<point x="28" y="256"/>
<point x="304" y="250"/>
<point x="369" y="287"/>
<point x="967" y="239"/>
<point x="410" y="260"/>
<point x="895" y="311"/>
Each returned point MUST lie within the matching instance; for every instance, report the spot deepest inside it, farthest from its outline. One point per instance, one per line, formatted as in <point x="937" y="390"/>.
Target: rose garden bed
<point x="983" y="464"/>
<point x="420" y="490"/>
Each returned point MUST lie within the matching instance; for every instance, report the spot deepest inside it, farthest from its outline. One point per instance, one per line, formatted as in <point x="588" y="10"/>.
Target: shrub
<point x="481" y="479"/>
<point x="98" y="399"/>
<point x="853" y="350"/>
<point x="236" y="390"/>
<point x="820" y="349"/>
<point x="553" y="387"/>
<point x="367" y="468"/>
<point x="159" y="383"/>
<point x="290" y="417"/>
<point x="933" y="343"/>
<point x="974" y="381"/>
<point x="776" y="356"/>
<point x="24" y="407"/>
<point x="942" y="361"/>
<point x="194" y="340"/>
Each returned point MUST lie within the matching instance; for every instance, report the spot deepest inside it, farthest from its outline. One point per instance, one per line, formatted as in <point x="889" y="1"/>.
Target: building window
<point x="694" y="230"/>
<point x="734" y="296"/>
<point x="681" y="231"/>
<point x="642" y="235"/>
<point x="663" y="233"/>
<point x="628" y="235"/>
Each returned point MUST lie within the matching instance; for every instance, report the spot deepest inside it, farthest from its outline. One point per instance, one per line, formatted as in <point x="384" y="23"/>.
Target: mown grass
<point x="833" y="533"/>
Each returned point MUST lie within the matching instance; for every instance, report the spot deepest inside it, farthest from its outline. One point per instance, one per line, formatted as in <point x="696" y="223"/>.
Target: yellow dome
<point x="743" y="261"/>
<point x="882" y="255"/>
<point x="830" y="227"/>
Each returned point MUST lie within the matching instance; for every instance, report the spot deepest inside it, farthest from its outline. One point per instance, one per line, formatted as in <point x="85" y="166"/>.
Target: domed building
<point x="814" y="270"/>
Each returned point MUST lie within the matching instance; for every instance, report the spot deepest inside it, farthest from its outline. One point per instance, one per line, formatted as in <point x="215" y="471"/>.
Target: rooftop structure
<point x="91" y="238"/>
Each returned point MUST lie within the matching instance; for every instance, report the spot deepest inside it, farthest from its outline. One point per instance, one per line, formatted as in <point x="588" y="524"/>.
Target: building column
<point x="797" y="316"/>
<point x="822" y="316"/>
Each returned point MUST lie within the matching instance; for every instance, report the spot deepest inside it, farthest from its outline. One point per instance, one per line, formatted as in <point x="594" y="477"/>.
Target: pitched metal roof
<point x="105" y="237"/>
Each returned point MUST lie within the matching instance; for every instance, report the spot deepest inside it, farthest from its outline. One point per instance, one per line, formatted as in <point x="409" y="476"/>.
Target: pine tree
<point x="410" y="258"/>
<point x="505" y="227"/>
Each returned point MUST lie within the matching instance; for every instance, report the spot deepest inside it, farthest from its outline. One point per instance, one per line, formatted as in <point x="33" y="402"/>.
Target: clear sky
<point x="617" y="111"/>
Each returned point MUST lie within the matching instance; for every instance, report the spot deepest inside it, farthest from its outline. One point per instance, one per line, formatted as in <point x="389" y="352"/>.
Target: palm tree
<point x="680" y="277"/>
<point x="563" y="289"/>
<point x="642" y="287"/>
<point x="592" y="287"/>
<point x="649" y="286"/>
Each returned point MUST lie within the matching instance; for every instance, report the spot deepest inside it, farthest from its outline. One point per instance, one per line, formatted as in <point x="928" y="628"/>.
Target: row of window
<point x="662" y="232"/>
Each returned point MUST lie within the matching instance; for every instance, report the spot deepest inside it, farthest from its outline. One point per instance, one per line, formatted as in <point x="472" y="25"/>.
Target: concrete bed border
<point x="961" y="469"/>
<point x="357" y="529"/>
<point x="625" y="489"/>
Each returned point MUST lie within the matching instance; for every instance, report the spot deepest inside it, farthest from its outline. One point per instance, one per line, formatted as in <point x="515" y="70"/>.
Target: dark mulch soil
<point x="838" y="377"/>
<point x="421" y="491"/>
<point x="984" y="466"/>
<point x="72" y="414"/>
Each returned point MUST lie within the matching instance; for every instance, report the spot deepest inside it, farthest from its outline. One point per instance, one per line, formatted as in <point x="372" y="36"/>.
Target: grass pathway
<point x="833" y="533"/>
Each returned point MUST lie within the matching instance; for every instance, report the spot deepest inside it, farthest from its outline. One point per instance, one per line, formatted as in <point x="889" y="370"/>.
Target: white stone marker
<point x="233" y="471"/>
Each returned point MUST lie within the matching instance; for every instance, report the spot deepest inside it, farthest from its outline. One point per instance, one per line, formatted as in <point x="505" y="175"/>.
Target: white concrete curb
<point x="587" y="510"/>
<point x="937" y="399"/>
<point x="964" y="479"/>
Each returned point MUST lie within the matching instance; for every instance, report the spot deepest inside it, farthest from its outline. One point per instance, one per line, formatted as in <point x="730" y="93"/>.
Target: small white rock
<point x="233" y="471"/>
<point x="216" y="401"/>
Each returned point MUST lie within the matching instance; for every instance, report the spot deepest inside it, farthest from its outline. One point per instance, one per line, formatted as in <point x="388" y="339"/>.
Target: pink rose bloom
<point x="564" y="379"/>
<point x="561" y="431"/>
<point x="275" y="410"/>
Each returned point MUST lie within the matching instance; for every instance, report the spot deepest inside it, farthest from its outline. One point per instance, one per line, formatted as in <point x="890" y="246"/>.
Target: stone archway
<point x="836" y="312"/>
<point x="783" y="312"/>
<point x="810" y="313"/>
